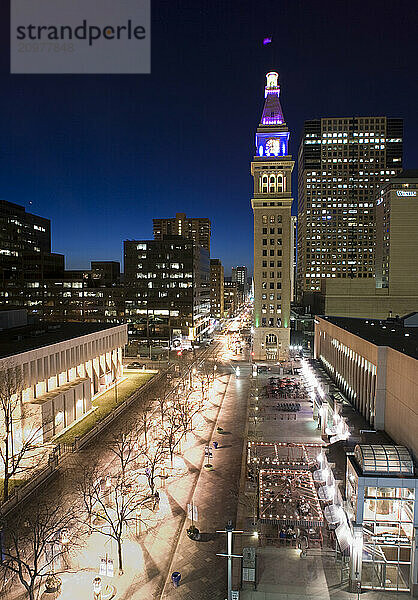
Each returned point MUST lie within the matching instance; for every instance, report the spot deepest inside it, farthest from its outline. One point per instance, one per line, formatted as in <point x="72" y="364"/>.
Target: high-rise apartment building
<point x="167" y="290"/>
<point x="342" y="163"/>
<point x="216" y="288"/>
<point x="271" y="169"/>
<point x="196" y="229"/>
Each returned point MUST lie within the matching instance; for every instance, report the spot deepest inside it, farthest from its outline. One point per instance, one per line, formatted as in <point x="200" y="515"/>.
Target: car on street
<point x="136" y="365"/>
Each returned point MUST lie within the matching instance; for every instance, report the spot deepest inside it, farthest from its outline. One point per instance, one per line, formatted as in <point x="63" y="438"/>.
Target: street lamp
<point x="229" y="530"/>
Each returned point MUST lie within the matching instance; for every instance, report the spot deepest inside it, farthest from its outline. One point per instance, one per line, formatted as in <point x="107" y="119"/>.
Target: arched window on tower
<point x="280" y="183"/>
<point x="265" y="183"/>
<point x="271" y="338"/>
<point x="272" y="186"/>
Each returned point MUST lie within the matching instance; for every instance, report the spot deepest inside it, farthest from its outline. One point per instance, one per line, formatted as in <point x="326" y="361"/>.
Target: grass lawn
<point x="13" y="483"/>
<point x="104" y="404"/>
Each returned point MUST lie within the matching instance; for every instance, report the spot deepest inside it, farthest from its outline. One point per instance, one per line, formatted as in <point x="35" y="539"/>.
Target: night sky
<point x="102" y="155"/>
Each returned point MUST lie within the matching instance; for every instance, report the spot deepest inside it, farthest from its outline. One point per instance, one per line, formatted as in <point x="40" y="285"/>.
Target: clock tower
<point x="271" y="169"/>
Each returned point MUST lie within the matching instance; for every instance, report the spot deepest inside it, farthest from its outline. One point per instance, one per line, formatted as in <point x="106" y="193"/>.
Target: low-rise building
<point x="59" y="369"/>
<point x="375" y="364"/>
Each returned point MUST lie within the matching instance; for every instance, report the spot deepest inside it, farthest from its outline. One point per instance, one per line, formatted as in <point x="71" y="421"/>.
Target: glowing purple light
<point x="267" y="121"/>
<point x="266" y="41"/>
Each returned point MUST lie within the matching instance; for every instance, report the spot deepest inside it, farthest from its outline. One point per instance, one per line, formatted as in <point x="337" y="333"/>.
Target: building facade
<point x="196" y="229"/>
<point x="375" y="364"/>
<point x="394" y="288"/>
<point x="61" y="368"/>
<point x="231" y="298"/>
<point x="271" y="169"/>
<point x="26" y="260"/>
<point x="216" y="288"/>
<point x="382" y="506"/>
<point x="240" y="275"/>
<point x="167" y="290"/>
<point x="342" y="163"/>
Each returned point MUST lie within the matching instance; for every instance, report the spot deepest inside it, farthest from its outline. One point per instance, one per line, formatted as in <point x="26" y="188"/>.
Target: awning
<point x="333" y="514"/>
<point x="319" y="476"/>
<point x="325" y="493"/>
<point x="344" y="536"/>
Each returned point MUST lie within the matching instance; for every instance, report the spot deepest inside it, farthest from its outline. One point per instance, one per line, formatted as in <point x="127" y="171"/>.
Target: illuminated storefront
<point x="381" y="489"/>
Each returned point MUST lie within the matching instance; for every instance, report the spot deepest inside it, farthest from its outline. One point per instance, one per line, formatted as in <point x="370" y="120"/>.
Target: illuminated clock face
<point x="273" y="147"/>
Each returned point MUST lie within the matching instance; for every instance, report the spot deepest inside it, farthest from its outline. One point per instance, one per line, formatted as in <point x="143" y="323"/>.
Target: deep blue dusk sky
<point x="102" y="155"/>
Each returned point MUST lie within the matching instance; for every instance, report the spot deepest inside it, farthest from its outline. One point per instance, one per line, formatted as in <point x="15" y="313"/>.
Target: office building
<point x="167" y="290"/>
<point x="91" y="295"/>
<point x="271" y="169"/>
<point x="342" y="163"/>
<point x="394" y="289"/>
<point x="231" y="298"/>
<point x="106" y="272"/>
<point x="63" y="367"/>
<point x="240" y="275"/>
<point x="26" y="260"/>
<point x="216" y="288"/>
<point x="294" y="254"/>
<point x="196" y="229"/>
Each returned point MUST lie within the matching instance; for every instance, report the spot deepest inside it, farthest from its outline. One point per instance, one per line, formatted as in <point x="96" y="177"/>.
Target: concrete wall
<point x="401" y="413"/>
<point x="394" y="393"/>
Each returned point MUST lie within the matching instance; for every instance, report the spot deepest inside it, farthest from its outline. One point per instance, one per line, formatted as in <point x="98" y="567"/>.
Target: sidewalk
<point x="216" y="496"/>
<point x="147" y="556"/>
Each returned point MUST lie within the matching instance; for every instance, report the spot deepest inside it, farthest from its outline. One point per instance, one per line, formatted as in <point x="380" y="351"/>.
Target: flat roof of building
<point x="381" y="332"/>
<point x="30" y="337"/>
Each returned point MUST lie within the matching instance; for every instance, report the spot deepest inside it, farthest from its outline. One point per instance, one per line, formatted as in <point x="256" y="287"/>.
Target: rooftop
<point x="22" y="339"/>
<point x="384" y="459"/>
<point x="380" y="332"/>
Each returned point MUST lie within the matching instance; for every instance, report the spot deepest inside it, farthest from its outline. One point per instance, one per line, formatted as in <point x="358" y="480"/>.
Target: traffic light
<point x="179" y="352"/>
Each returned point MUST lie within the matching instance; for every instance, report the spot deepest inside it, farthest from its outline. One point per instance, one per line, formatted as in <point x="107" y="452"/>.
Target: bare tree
<point x="173" y="430"/>
<point x="187" y="407"/>
<point x="154" y="457"/>
<point x="145" y="420"/>
<point x="125" y="446"/>
<point x="35" y="542"/>
<point x="113" y="519"/>
<point x="20" y="432"/>
<point x="208" y="370"/>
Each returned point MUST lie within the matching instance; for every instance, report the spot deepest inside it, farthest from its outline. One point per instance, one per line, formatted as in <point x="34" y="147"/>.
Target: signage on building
<point x="405" y="193"/>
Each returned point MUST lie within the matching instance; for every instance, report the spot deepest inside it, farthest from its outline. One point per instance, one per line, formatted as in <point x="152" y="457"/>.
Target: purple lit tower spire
<point x="272" y="135"/>
<point x="272" y="113"/>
